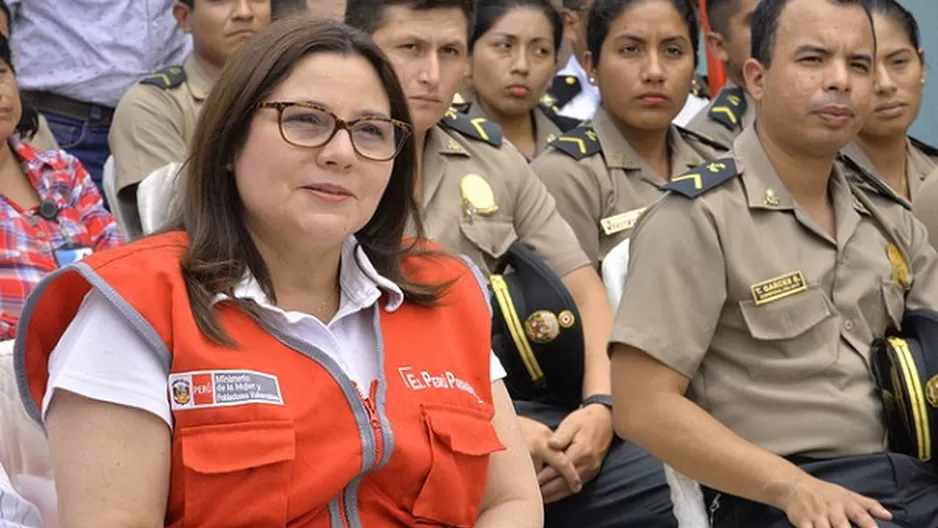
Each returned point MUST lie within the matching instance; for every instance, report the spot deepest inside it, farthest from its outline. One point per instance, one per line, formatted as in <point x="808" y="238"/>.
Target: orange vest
<point x="273" y="433"/>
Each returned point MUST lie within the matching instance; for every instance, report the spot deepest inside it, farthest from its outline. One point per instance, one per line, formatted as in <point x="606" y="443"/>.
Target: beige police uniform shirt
<point x="925" y="205"/>
<point x="152" y="127"/>
<point x="771" y="318"/>
<point x="728" y="114"/>
<point x="461" y="215"/>
<point x="545" y="130"/>
<point x="919" y="165"/>
<point x="602" y="195"/>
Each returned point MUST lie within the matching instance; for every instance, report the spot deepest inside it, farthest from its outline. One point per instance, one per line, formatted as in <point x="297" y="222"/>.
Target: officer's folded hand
<point x="584" y="435"/>
<point x="565" y="479"/>
<point x="814" y="503"/>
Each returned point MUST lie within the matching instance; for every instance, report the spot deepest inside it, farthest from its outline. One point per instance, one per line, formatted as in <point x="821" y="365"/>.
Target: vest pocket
<point x="237" y="473"/>
<point x="461" y="440"/>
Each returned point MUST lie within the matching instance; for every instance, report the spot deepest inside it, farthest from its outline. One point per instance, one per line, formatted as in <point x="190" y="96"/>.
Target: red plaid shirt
<point x="28" y="241"/>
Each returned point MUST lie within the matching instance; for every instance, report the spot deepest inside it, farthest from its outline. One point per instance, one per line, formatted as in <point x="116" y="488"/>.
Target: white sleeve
<point x="101" y="357"/>
<point x="15" y="511"/>
<point x="496" y="370"/>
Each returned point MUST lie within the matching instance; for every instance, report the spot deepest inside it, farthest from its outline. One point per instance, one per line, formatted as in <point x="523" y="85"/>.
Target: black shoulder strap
<point x="579" y="143"/>
<point x="729" y="107"/>
<point x="870" y="182"/>
<point x="477" y="128"/>
<point x="165" y="79"/>
<point x="700" y="138"/>
<point x="562" y="90"/>
<point x="924" y="147"/>
<point x="703" y="178"/>
<point x="564" y="123"/>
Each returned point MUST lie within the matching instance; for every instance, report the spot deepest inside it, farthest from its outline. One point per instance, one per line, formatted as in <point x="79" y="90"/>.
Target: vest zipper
<point x="375" y="422"/>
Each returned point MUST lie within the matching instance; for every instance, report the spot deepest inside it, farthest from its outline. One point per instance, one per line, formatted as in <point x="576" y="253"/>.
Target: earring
<point x="592" y="79"/>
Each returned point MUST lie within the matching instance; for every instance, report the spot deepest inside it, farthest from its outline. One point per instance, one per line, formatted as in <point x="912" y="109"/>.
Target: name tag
<point x="620" y="222"/>
<point x="778" y="288"/>
<point x="71" y="253"/>
<point x="222" y="388"/>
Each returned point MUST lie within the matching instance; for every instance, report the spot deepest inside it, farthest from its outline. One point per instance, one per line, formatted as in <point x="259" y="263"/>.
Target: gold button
<point x="571" y="80"/>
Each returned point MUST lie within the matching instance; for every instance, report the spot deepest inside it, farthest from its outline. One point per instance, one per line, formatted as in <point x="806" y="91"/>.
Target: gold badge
<point x="566" y="319"/>
<point x="551" y="138"/>
<point x="620" y="222"/>
<point x="900" y="270"/>
<point x="570" y="80"/>
<point x="778" y="288"/>
<point x="931" y="391"/>
<point x="453" y="146"/>
<point x="770" y="198"/>
<point x="477" y="196"/>
<point x="542" y="327"/>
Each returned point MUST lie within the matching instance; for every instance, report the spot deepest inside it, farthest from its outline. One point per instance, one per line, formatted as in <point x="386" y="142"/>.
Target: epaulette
<point x="870" y="182"/>
<point x="700" y="138"/>
<point x="924" y="147"/>
<point x="564" y="123"/>
<point x="703" y="178"/>
<point x="729" y="107"/>
<point x="562" y="90"/>
<point x="473" y="127"/>
<point x="169" y="78"/>
<point x="579" y="143"/>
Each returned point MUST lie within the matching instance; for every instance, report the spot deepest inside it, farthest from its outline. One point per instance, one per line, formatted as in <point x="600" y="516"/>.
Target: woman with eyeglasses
<point x="280" y="356"/>
<point x="883" y="147"/>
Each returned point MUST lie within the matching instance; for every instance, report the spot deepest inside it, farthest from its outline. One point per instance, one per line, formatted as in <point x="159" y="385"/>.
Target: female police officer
<point x="642" y="54"/>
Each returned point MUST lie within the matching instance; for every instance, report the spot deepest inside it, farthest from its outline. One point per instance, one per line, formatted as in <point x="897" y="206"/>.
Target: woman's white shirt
<point x="101" y="357"/>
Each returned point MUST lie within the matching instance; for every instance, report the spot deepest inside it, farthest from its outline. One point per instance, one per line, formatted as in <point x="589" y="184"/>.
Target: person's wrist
<point x="604" y="400"/>
<point x="783" y="490"/>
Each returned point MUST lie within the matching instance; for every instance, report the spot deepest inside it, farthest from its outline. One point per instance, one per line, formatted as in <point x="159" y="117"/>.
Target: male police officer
<point x="156" y="118"/>
<point x="479" y="197"/>
<point x="746" y="366"/>
<point x="732" y="109"/>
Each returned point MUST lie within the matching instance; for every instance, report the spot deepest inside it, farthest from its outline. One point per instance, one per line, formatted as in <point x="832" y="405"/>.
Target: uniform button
<point x="848" y="325"/>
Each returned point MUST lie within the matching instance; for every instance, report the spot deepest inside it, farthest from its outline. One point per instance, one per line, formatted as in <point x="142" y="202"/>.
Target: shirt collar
<point x="764" y="189"/>
<point x="360" y="283"/>
<point x="197" y="78"/>
<point x="31" y="157"/>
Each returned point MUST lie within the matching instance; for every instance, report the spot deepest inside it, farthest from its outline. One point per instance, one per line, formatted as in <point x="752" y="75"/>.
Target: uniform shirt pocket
<point x="792" y="340"/>
<point x="461" y="440"/>
<point x="240" y="469"/>
<point x="492" y="236"/>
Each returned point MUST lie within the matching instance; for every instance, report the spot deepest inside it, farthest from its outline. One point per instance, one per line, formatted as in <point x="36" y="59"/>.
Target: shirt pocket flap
<point x="786" y="318"/>
<point x="463" y="430"/>
<point x="493" y="236"/>
<point x="226" y="448"/>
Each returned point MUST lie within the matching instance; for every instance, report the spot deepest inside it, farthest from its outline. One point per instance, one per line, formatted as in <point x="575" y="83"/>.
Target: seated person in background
<point x="643" y="54"/>
<point x="256" y="365"/>
<point x="156" y="118"/>
<point x="883" y="147"/>
<point x="43" y="138"/>
<point x="745" y="362"/>
<point x="731" y="110"/>
<point x="512" y="58"/>
<point x="50" y="210"/>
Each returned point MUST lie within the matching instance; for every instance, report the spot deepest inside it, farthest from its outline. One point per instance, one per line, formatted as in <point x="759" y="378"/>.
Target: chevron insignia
<point x="729" y="107"/>
<point x="477" y="128"/>
<point x="169" y="78"/>
<point x="579" y="143"/>
<point x="703" y="178"/>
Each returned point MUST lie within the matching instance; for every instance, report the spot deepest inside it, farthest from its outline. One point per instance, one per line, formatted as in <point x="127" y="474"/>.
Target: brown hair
<point x="221" y="251"/>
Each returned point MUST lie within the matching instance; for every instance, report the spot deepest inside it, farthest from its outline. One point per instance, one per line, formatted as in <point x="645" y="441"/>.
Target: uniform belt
<point x="48" y="102"/>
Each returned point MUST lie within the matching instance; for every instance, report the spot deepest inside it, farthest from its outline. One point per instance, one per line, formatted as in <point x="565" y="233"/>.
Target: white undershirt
<point x="101" y="357"/>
